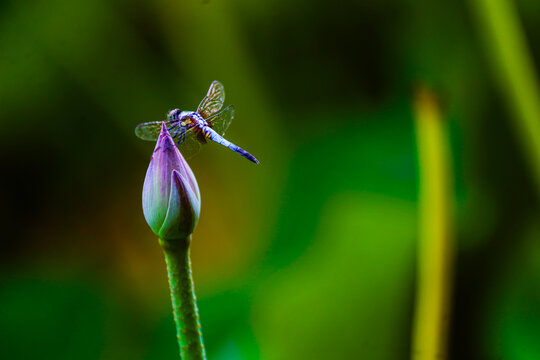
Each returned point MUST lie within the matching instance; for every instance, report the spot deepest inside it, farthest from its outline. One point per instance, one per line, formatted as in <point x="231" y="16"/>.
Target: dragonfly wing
<point x="213" y="100"/>
<point x="190" y="146"/>
<point x="221" y="121"/>
<point x="149" y="131"/>
<point x="186" y="137"/>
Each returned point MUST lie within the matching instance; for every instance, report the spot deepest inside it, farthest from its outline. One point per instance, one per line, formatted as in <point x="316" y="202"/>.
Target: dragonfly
<point x="191" y="129"/>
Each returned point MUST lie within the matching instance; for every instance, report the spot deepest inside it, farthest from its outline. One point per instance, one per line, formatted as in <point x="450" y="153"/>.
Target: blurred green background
<point x="310" y="255"/>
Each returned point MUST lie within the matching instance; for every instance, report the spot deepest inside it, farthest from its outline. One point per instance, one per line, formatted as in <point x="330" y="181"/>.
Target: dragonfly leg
<point x="182" y="136"/>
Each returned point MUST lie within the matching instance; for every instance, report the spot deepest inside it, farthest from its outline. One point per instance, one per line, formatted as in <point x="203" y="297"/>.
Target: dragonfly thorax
<point x="192" y="118"/>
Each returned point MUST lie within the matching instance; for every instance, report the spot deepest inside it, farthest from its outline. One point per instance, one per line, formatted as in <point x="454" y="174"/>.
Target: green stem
<point x="186" y="314"/>
<point x="435" y="248"/>
<point x="499" y="22"/>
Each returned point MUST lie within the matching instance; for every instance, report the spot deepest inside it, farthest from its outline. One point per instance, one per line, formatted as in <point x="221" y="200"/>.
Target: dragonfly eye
<point x="173" y="114"/>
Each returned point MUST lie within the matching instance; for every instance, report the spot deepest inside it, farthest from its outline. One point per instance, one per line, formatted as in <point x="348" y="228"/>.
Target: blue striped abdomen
<point x="209" y="133"/>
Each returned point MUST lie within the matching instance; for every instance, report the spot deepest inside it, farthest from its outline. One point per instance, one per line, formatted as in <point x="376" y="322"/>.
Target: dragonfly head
<point x="173" y="114"/>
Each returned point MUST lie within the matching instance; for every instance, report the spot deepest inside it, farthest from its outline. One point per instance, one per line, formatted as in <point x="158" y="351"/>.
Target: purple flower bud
<point x="171" y="198"/>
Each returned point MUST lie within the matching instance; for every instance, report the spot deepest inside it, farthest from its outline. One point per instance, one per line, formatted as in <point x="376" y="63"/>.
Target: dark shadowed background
<point x="311" y="254"/>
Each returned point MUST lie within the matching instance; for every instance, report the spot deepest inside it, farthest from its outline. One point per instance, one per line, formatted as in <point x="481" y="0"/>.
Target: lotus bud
<point x="171" y="198"/>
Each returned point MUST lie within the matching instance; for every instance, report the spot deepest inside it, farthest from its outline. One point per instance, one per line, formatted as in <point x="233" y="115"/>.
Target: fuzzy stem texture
<point x="186" y="314"/>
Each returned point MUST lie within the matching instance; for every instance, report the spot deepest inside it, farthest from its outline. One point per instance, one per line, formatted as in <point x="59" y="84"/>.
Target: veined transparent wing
<point x="213" y="100"/>
<point x="185" y="137"/>
<point x="150" y="131"/>
<point x="221" y="121"/>
<point x="190" y="145"/>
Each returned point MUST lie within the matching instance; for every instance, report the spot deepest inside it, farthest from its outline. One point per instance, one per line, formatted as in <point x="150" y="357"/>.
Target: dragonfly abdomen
<point x="209" y="133"/>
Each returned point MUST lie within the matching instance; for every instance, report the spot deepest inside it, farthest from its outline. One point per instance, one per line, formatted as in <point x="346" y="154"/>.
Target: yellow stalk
<point x="432" y="309"/>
